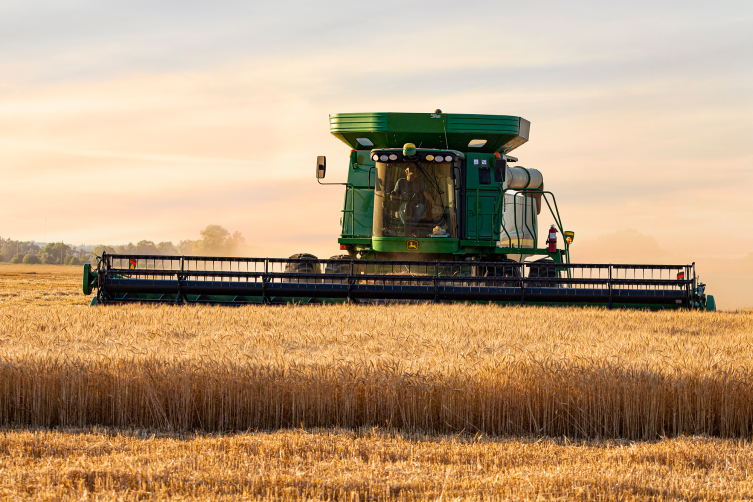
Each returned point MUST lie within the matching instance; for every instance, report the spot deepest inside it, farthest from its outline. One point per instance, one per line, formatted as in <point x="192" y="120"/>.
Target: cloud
<point x="144" y="120"/>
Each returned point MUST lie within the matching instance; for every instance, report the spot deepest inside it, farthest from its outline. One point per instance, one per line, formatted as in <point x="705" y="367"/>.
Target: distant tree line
<point x="54" y="253"/>
<point x="215" y="240"/>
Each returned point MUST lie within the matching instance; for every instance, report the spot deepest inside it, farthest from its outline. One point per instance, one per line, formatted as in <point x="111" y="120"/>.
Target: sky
<point x="123" y="121"/>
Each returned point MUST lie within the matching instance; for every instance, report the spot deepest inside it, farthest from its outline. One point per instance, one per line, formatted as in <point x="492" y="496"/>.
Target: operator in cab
<point x="413" y="193"/>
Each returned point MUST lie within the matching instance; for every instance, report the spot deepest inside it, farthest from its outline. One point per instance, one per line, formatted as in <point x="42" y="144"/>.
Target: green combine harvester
<point x="434" y="210"/>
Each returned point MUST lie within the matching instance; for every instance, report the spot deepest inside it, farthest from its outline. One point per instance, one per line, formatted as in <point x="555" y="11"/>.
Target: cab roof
<point x="446" y="131"/>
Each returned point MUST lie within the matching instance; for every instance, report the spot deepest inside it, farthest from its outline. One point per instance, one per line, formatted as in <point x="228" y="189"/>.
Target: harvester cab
<point x="439" y="186"/>
<point x="435" y="209"/>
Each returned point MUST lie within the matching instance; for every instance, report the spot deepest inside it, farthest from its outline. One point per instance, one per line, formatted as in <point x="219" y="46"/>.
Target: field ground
<point x="367" y="403"/>
<point x="367" y="464"/>
<point x="41" y="285"/>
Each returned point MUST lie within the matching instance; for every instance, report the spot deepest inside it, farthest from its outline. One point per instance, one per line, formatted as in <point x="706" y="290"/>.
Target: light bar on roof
<point x="397" y="156"/>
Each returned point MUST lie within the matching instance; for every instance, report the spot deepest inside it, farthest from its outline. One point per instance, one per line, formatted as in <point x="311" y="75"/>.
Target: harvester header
<point x="433" y="210"/>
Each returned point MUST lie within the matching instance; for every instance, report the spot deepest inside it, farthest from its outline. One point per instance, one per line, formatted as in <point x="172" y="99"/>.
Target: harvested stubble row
<point x="575" y="372"/>
<point x="41" y="285"/>
<point x="366" y="464"/>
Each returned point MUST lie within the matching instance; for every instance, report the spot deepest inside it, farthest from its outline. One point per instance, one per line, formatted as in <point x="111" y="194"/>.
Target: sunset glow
<point x="135" y="122"/>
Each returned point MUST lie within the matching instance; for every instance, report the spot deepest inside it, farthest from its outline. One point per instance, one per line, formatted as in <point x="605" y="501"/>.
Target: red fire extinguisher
<point x="552" y="240"/>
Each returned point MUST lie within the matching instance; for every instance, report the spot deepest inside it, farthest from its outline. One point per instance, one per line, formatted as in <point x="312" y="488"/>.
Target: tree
<point x="185" y="247"/>
<point x="236" y="241"/>
<point x="125" y="248"/>
<point x="10" y="248"/>
<point x="145" y="247"/>
<point x="166" y="248"/>
<point x="17" y="259"/>
<point x="215" y="239"/>
<point x="31" y="259"/>
<point x="54" y="253"/>
<point x="73" y="260"/>
<point x="97" y="252"/>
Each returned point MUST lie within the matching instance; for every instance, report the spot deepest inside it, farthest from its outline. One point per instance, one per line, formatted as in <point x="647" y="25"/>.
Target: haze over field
<point x="128" y="121"/>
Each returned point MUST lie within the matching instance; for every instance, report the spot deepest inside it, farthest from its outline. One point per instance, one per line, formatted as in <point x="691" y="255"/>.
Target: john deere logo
<point x="412" y="245"/>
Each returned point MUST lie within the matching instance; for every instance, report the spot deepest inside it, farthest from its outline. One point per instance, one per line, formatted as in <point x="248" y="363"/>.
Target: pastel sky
<point x="123" y="121"/>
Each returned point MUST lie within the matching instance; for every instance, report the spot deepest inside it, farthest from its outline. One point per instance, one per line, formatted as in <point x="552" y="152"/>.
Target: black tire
<point x="305" y="267"/>
<point x="544" y="268"/>
<point x="338" y="264"/>
<point x="502" y="268"/>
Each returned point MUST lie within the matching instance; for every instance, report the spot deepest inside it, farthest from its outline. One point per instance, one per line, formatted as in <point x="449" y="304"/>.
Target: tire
<point x="338" y="264"/>
<point x="303" y="267"/>
<point x="544" y="268"/>
<point x="504" y="268"/>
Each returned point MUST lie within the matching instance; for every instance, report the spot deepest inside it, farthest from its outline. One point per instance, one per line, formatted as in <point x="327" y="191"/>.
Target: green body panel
<point x="425" y="245"/>
<point x="710" y="303"/>
<point x="502" y="133"/>
<point x="358" y="171"/>
<point x="482" y="222"/>
<point x="88" y="279"/>
<point x="480" y="244"/>
<point x="481" y="201"/>
<point x="358" y="215"/>
<point x="471" y="171"/>
<point x="358" y="204"/>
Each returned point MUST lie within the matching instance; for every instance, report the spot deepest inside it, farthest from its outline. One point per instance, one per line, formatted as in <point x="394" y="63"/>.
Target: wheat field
<point x="439" y="368"/>
<point x="356" y="402"/>
<point x="41" y="285"/>
<point x="366" y="464"/>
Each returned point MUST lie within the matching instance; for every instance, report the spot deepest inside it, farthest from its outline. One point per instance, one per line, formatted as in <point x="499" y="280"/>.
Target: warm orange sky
<point x="126" y="121"/>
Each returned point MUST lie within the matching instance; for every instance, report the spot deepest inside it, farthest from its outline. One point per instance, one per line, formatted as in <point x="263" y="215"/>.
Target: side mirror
<point x="500" y="167"/>
<point x="321" y="167"/>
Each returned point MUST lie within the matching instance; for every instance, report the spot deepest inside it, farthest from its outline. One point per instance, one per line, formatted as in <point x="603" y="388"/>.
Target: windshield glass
<point x="414" y="199"/>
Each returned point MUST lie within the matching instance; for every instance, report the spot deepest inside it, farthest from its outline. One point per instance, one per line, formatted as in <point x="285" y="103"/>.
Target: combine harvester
<point x="433" y="211"/>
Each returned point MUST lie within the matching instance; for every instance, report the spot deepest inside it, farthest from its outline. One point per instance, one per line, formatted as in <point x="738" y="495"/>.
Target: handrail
<point x="108" y="257"/>
<point x="553" y="211"/>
